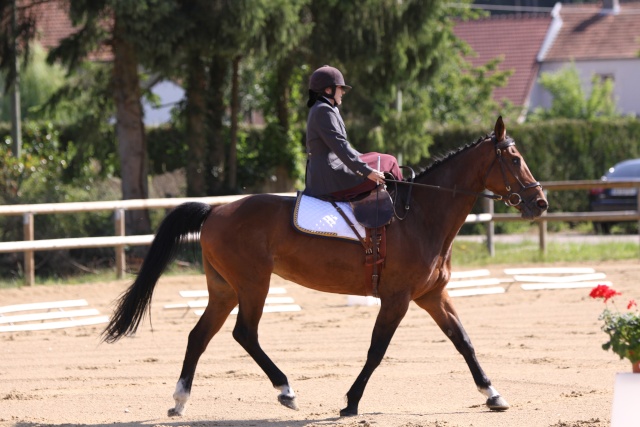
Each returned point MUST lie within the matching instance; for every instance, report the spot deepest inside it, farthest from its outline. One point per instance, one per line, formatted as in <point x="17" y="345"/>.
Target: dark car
<point x="615" y="199"/>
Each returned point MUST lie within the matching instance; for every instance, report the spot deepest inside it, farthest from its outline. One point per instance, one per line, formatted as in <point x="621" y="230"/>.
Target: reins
<point x="508" y="199"/>
<point x="453" y="190"/>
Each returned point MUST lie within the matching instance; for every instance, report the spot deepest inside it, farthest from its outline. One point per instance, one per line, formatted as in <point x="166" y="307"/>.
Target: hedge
<point x="558" y="150"/>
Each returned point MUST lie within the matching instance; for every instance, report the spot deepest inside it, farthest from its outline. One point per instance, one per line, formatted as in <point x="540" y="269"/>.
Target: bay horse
<point x="244" y="242"/>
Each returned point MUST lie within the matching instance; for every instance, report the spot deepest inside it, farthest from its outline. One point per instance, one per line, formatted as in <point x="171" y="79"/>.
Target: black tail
<point x="134" y="302"/>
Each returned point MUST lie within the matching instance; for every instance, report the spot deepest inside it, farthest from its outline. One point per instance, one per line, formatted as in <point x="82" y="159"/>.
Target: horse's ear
<point x="500" y="131"/>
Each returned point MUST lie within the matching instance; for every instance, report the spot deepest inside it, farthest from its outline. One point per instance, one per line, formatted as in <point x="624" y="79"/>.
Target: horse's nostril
<point x="542" y="204"/>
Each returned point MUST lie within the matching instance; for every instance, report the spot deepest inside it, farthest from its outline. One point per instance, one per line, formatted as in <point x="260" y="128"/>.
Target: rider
<point x="334" y="168"/>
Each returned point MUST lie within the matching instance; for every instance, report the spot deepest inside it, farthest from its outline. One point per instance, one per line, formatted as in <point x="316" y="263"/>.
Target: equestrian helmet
<point x="326" y="76"/>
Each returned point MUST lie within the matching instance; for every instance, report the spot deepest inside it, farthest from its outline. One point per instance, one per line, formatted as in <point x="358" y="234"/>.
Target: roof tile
<point x="587" y="34"/>
<point x="515" y="38"/>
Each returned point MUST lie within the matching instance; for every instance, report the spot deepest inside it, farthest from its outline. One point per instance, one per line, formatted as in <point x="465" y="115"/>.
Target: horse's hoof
<point x="173" y="412"/>
<point x="288" y="401"/>
<point x="497" y="403"/>
<point x="349" y="411"/>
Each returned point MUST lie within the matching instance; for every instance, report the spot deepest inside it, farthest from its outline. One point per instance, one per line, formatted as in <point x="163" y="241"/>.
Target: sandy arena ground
<point x="541" y="349"/>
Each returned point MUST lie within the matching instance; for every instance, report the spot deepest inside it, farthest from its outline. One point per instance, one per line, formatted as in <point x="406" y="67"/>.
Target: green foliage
<point x="440" y="88"/>
<point x="463" y="94"/>
<point x="38" y="81"/>
<point x="167" y="149"/>
<point x="569" y="99"/>
<point x="385" y="48"/>
<point x="37" y="176"/>
<point x="41" y="164"/>
<point x="402" y="133"/>
<point x="261" y="152"/>
<point x="624" y="334"/>
<point x="556" y="150"/>
<point x="623" y="328"/>
<point x="84" y="108"/>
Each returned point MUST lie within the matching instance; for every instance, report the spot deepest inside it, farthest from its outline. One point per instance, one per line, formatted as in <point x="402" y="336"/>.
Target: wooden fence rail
<point x="119" y="241"/>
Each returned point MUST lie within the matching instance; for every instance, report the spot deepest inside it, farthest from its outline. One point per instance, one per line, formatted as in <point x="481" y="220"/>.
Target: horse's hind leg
<point x="442" y="311"/>
<point x="251" y="304"/>
<point x="222" y="299"/>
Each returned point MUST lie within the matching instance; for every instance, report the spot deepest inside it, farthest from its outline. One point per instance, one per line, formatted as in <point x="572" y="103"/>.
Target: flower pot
<point x="635" y="367"/>
<point x="625" y="392"/>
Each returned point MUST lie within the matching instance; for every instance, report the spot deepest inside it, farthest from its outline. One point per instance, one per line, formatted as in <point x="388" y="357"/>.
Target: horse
<point x="245" y="242"/>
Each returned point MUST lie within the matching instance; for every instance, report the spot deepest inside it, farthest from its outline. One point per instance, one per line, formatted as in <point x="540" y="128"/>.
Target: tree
<point x="391" y="53"/>
<point x="569" y="98"/>
<point x="462" y="93"/>
<point x="38" y="82"/>
<point x="127" y="28"/>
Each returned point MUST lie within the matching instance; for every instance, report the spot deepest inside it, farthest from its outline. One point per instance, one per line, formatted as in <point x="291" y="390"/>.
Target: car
<point x="615" y="199"/>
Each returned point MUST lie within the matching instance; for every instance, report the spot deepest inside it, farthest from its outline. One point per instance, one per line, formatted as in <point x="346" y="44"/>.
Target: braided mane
<point x="442" y="158"/>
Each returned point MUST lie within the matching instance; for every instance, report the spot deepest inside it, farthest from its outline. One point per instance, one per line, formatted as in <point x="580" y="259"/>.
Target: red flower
<point x="603" y="291"/>
<point x="632" y="303"/>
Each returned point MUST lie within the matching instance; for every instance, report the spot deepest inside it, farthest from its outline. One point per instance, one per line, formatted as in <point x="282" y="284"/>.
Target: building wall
<point x="625" y="75"/>
<point x="170" y="94"/>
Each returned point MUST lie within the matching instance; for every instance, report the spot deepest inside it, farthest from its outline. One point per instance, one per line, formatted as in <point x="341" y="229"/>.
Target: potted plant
<point x="622" y="327"/>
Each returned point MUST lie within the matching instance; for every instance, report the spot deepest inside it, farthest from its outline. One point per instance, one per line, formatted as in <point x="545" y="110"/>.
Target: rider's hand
<point x="377" y="177"/>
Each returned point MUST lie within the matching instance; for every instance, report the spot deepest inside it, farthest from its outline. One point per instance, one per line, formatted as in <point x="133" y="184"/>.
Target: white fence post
<point x="488" y="208"/>
<point x="542" y="229"/>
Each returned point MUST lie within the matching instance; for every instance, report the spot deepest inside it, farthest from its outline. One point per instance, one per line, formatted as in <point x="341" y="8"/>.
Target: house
<point x="602" y="39"/>
<point x="516" y="39"/>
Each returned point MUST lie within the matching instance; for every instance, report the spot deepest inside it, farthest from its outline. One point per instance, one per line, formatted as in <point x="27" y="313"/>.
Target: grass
<point x="466" y="253"/>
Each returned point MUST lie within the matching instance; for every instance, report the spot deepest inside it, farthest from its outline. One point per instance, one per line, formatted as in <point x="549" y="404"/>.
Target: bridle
<point x="511" y="199"/>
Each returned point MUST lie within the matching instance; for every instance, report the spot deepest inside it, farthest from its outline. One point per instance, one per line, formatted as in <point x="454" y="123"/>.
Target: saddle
<point x="366" y="221"/>
<point x="374" y="212"/>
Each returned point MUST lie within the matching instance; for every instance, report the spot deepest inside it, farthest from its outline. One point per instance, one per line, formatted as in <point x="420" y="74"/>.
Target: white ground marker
<point x="42" y="312"/>
<point x="275" y="304"/>
<point x="550" y="270"/>
<point x="574" y="277"/>
<point x="475" y="283"/>
<point x="472" y="285"/>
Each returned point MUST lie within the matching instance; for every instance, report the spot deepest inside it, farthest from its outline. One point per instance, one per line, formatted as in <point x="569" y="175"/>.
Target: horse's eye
<point x="516" y="161"/>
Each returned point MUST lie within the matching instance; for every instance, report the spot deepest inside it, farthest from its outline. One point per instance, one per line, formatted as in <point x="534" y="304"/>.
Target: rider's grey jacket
<point x="332" y="164"/>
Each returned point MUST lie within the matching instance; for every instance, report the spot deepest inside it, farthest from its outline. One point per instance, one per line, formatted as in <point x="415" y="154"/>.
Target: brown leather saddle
<point x="375" y="209"/>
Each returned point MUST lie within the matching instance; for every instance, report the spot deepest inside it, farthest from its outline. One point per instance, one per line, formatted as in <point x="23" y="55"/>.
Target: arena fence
<point x="120" y="240"/>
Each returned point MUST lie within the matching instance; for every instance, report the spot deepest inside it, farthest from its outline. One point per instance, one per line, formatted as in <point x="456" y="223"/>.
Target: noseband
<point x="512" y="198"/>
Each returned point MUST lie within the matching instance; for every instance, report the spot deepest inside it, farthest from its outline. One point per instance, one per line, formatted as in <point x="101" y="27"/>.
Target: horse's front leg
<point x="392" y="311"/>
<point x="442" y="311"/>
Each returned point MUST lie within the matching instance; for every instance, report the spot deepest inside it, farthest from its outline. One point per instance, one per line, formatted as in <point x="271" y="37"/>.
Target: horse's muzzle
<point x="534" y="207"/>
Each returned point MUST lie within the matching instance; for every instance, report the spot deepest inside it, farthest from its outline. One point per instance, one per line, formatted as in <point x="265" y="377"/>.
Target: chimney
<point x="610" y="7"/>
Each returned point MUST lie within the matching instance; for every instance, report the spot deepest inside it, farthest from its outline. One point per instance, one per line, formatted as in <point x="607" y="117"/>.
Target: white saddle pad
<point x="317" y="217"/>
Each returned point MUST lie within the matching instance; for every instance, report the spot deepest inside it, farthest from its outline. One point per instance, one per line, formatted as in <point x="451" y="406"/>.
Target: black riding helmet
<point x="322" y="78"/>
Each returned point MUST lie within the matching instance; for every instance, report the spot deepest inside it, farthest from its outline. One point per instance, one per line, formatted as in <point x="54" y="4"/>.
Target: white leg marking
<point x="287" y="391"/>
<point x="489" y="392"/>
<point x="181" y="395"/>
<point x="287" y="397"/>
